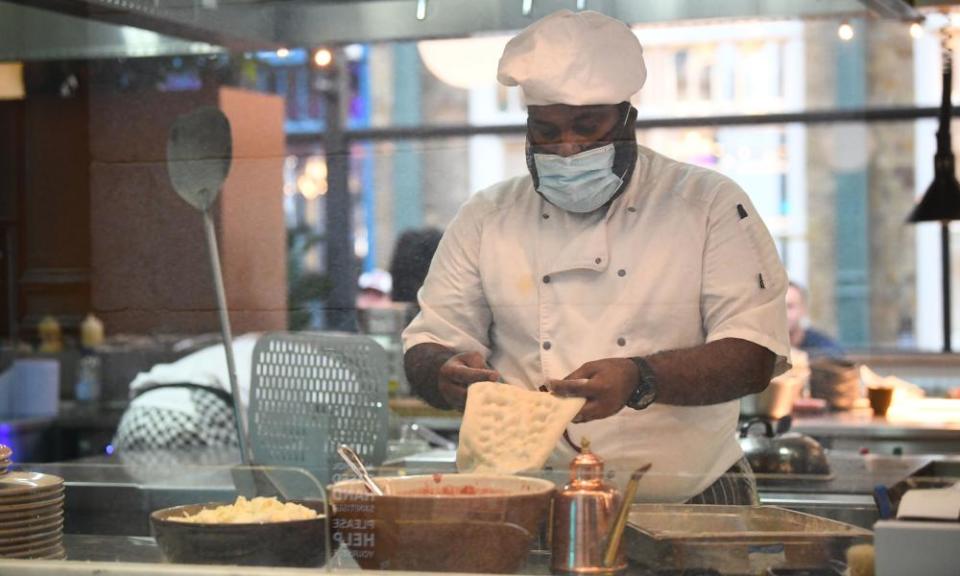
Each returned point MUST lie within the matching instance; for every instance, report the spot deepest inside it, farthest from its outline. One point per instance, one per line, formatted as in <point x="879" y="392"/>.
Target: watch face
<point x="644" y="396"/>
<point x="646" y="391"/>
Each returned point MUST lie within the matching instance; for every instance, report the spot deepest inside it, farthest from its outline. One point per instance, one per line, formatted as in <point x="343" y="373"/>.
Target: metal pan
<point x="735" y="539"/>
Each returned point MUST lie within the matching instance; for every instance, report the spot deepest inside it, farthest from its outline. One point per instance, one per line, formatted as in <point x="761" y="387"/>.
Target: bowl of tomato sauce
<point x="441" y="522"/>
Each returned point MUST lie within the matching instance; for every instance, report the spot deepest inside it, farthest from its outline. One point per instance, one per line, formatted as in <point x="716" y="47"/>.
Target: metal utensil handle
<point x="768" y="431"/>
<point x="355" y="464"/>
<point x="239" y="415"/>
<point x="616" y="532"/>
<point x="432" y="437"/>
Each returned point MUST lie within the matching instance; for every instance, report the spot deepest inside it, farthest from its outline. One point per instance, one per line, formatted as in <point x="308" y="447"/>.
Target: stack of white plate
<point x="5" y="453"/>
<point x="31" y="516"/>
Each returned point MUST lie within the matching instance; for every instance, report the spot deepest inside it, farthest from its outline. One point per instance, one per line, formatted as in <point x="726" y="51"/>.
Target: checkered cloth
<point x="207" y="421"/>
<point x="737" y="486"/>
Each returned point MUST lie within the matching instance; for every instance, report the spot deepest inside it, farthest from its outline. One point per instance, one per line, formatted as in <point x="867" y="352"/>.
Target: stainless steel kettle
<point x="789" y="453"/>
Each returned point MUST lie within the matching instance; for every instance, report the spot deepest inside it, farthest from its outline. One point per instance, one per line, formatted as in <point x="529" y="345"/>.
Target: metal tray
<point x="735" y="539"/>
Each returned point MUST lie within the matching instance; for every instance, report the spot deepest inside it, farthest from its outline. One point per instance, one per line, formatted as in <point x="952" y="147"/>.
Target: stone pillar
<point x="851" y="201"/>
<point x="821" y="186"/>
<point x="891" y="176"/>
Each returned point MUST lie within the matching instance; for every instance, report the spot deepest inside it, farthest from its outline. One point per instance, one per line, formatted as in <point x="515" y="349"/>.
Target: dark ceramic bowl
<point x="298" y="543"/>
<point x="441" y="523"/>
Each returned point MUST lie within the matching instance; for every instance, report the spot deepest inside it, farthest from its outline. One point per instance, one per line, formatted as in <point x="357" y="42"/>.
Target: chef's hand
<point x="459" y="372"/>
<point x="606" y="384"/>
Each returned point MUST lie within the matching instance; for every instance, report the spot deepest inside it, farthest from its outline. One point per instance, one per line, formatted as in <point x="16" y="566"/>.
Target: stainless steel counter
<point x="923" y="427"/>
<point x="853" y="473"/>
<point x="926" y="426"/>
<point x="862" y="423"/>
<point x="103" y="497"/>
<point x="109" y="499"/>
<point x="126" y="556"/>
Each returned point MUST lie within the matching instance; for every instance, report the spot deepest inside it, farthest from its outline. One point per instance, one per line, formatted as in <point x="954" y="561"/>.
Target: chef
<point x="650" y="287"/>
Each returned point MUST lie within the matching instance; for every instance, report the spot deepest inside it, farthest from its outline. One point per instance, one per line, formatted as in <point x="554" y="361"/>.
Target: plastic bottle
<point x="50" y="336"/>
<point x="88" y="387"/>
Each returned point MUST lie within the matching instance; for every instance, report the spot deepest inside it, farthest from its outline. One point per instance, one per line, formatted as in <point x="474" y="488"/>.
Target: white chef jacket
<point x="679" y="259"/>
<point x="206" y="367"/>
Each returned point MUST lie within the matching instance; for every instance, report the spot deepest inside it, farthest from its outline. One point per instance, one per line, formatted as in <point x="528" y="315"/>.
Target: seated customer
<point x="814" y="342"/>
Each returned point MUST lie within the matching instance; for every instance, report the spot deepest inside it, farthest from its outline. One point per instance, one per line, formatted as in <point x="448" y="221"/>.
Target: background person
<point x="187" y="404"/>
<point x="411" y="261"/>
<point x="812" y="341"/>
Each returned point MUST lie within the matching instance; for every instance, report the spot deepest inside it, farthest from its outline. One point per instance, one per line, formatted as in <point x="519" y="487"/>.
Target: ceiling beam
<point x="235" y="27"/>
<point x="896" y="9"/>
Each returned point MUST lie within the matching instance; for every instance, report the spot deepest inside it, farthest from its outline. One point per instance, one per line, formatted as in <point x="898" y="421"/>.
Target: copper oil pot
<point x="584" y="513"/>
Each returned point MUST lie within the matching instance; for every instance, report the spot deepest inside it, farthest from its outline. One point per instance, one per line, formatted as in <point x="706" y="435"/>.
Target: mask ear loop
<point x="626" y="119"/>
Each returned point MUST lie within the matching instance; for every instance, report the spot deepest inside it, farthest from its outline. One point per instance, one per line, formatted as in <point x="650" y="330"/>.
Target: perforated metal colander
<point x="310" y="393"/>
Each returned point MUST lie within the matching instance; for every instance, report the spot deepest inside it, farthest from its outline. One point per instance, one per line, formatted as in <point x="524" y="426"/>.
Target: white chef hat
<point x="574" y="58"/>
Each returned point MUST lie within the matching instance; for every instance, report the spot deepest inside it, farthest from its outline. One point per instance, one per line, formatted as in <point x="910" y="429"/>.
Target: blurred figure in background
<point x="411" y="261"/>
<point x="802" y="336"/>
<point x="387" y="301"/>
<point x="375" y="287"/>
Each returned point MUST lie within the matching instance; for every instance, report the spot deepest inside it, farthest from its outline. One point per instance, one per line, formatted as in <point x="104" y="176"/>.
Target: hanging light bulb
<point x="322" y="58"/>
<point x="845" y="31"/>
<point x="916" y="30"/>
<point x="421" y="9"/>
<point x="527" y="7"/>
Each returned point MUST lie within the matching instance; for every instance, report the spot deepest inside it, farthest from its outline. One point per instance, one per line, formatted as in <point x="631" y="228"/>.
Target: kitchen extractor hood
<point x="900" y="9"/>
<point x="185" y="25"/>
<point x="46" y="29"/>
<point x="33" y="34"/>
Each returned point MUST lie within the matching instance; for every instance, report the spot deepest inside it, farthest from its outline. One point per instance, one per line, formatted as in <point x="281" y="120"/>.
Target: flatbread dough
<point x="507" y="429"/>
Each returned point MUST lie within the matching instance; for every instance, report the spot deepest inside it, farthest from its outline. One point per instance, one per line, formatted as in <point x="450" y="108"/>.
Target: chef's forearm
<point x="715" y="372"/>
<point x="422" y="365"/>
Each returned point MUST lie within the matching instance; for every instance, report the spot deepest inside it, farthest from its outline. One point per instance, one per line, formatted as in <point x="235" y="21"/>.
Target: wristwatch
<point x="646" y="391"/>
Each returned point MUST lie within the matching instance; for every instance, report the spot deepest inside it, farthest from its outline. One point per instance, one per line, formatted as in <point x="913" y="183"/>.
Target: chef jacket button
<point x="631" y="209"/>
<point x="545" y="216"/>
<point x="621" y="272"/>
<point x="546" y="279"/>
<point x="621" y="341"/>
<point x="598" y="260"/>
<point x="546" y="345"/>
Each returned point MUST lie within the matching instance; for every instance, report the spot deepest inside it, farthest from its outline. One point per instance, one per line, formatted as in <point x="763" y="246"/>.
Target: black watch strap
<point x="646" y="391"/>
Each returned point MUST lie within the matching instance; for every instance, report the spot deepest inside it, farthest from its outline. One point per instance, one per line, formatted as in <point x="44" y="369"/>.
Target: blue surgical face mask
<point x="580" y="183"/>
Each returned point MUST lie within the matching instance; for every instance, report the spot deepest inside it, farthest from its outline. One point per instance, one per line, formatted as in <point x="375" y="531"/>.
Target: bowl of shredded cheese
<point x="254" y="532"/>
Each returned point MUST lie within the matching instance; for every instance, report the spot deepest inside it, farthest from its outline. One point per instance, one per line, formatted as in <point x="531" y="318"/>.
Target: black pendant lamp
<point x="941" y="203"/>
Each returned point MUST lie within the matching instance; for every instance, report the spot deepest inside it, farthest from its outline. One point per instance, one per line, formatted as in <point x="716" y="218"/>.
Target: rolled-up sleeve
<point x="744" y="282"/>
<point x="453" y="309"/>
